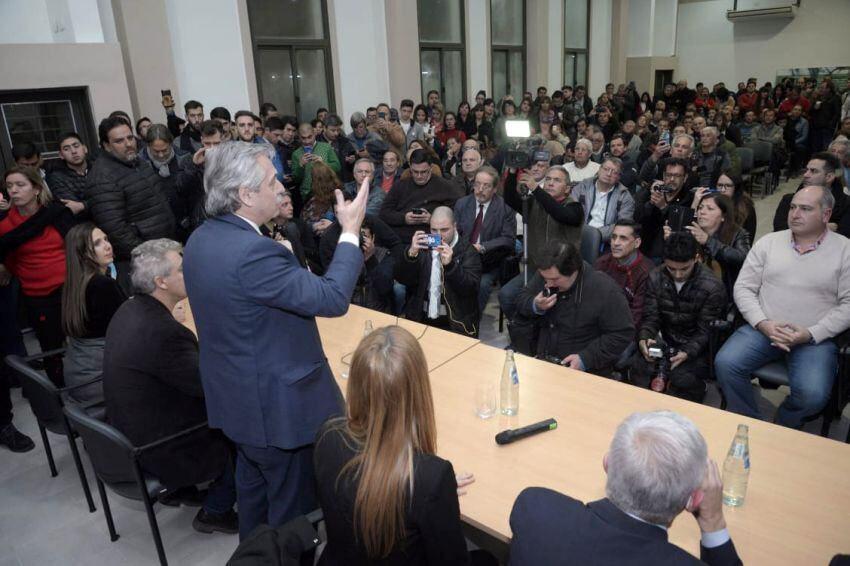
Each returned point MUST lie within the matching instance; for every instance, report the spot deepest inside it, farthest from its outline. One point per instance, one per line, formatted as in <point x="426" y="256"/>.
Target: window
<point x="576" y="37"/>
<point x="40" y="117"/>
<point x="441" y="50"/>
<point x="507" y="37"/>
<point x="292" y="55"/>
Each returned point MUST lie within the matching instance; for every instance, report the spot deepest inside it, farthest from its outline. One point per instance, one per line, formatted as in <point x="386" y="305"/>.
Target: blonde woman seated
<point x="386" y="497"/>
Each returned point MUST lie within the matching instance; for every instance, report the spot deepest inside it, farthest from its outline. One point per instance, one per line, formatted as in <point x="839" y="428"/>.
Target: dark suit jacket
<point x="266" y="378"/>
<point x="554" y="529"/>
<point x="498" y="231"/>
<point x="152" y="389"/>
<point x="432" y="520"/>
<point x="461" y="279"/>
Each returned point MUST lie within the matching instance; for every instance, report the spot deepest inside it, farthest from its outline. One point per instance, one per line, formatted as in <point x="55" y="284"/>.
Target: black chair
<point x="116" y="463"/>
<point x="762" y="155"/>
<point x="46" y="402"/>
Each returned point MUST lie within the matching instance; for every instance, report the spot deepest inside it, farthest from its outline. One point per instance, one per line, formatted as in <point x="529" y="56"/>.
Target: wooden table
<point x="798" y="500"/>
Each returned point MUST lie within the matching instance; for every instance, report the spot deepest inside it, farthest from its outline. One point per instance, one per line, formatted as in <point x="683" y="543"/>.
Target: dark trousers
<point x="45" y="317"/>
<point x="273" y="486"/>
<point x="221" y="494"/>
<point x="10" y="343"/>
<point x="687" y="381"/>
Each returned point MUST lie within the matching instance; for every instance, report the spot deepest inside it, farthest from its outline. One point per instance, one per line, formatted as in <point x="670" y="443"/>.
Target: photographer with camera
<point x="580" y="316"/>
<point x="550" y="214"/>
<point x="681" y="147"/>
<point x="682" y="298"/>
<point x="442" y="283"/>
<point x="653" y="206"/>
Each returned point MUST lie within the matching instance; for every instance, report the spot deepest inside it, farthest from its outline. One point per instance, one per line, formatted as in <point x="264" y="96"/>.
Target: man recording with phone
<point x="442" y="272"/>
<point x="409" y="204"/>
<point x="680" y="147"/>
<point x="551" y="213"/>
<point x="582" y="314"/>
<point x="654" y="205"/>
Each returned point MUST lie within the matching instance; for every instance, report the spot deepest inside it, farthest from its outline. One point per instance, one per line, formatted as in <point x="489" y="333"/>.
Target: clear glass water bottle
<point x="509" y="385"/>
<point x="736" y="469"/>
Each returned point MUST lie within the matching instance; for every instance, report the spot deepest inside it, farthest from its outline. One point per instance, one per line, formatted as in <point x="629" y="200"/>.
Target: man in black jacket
<point x="682" y="299"/>
<point x="67" y="179"/>
<point x="442" y="279"/>
<point x="583" y="318"/>
<point x="407" y="208"/>
<point x="657" y="467"/>
<point x="653" y="204"/>
<point x="189" y="139"/>
<point x="152" y="389"/>
<point x="124" y="196"/>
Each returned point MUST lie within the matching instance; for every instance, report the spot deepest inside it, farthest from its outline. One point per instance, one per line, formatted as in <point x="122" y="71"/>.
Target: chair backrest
<point x="762" y="150"/>
<point x="111" y="453"/>
<point x="45" y="399"/>
<point x="747" y="159"/>
<point x="591" y="242"/>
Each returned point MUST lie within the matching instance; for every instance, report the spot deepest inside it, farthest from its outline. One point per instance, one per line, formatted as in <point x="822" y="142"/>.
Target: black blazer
<point x="498" y="231"/>
<point x="152" y="389"/>
<point x="432" y="520"/>
<point x="461" y="279"/>
<point x="554" y="529"/>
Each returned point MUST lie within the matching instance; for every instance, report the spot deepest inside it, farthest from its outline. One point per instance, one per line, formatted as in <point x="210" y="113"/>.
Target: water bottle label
<point x="739" y="452"/>
<point x="514" y="376"/>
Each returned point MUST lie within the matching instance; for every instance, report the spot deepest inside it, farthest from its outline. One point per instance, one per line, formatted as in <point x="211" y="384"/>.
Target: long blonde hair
<point x="391" y="418"/>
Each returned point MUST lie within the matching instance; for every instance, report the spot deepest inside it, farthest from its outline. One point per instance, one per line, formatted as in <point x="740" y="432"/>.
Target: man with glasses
<point x="653" y="205"/>
<point x="681" y="147"/>
<point x="604" y="199"/>
<point x="310" y="152"/>
<point x="489" y="224"/>
<point x="409" y="204"/>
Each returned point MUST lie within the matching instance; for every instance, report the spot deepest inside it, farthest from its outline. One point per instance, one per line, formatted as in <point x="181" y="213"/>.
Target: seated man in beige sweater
<point x="794" y="291"/>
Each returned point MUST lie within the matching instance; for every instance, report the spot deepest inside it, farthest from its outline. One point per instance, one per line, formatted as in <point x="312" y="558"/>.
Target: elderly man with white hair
<point x="657" y="468"/>
<point x="582" y="167"/>
<point x="267" y="380"/>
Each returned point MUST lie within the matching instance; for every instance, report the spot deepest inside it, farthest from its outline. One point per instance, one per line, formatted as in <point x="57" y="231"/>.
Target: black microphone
<point x="510" y="435"/>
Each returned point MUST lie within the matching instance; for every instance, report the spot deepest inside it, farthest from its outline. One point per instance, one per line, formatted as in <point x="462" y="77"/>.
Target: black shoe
<point x="15" y="440"/>
<point x="188" y="496"/>
<point x="227" y="522"/>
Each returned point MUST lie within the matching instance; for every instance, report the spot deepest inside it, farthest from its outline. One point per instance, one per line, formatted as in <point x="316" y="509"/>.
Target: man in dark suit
<point x="442" y="281"/>
<point x="267" y="382"/>
<point x="152" y="388"/>
<point x="657" y="467"/>
<point x="490" y="226"/>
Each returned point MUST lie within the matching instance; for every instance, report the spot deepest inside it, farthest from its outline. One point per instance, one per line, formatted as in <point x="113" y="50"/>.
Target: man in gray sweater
<point x="794" y="291"/>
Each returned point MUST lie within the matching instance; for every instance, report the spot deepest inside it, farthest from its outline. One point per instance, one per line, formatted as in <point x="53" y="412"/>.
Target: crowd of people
<point x="638" y="233"/>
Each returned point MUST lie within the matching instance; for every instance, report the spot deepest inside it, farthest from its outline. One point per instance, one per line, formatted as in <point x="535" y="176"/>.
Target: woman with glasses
<point x="732" y="186"/>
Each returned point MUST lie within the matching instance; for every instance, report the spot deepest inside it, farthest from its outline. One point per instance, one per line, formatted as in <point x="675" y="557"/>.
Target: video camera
<point x="525" y="153"/>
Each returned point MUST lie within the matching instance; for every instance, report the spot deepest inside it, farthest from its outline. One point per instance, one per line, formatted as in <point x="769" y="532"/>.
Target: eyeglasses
<point x="673" y="175"/>
<point x="725" y="186"/>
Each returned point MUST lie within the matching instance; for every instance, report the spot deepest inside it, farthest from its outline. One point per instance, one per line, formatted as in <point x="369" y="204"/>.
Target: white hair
<point x="229" y="167"/>
<point x="688" y="136"/>
<point x="585" y="143"/>
<point x="149" y="261"/>
<point x="655" y="462"/>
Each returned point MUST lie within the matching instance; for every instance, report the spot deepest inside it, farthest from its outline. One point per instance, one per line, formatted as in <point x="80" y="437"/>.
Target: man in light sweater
<point x="794" y="291"/>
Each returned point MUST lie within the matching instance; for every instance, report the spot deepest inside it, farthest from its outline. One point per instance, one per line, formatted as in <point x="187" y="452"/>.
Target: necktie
<point x="476" y="226"/>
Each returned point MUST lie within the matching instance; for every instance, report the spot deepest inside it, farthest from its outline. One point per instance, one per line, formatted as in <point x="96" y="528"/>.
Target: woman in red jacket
<point x="32" y="248"/>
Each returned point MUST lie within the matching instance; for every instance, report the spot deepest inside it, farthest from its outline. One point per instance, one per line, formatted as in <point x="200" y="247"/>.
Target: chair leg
<point x="501" y="321"/>
<point x="75" y="452"/>
<point x="157" y="539"/>
<point x="48" y="451"/>
<point x="113" y="534"/>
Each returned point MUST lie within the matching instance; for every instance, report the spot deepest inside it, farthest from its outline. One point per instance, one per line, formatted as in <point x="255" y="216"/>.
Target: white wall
<point x="599" y="65"/>
<point x="24" y="21"/>
<point x="710" y="48"/>
<point x="640" y="28"/>
<point x="207" y="48"/>
<point x="664" y="28"/>
<point x="555" y="48"/>
<point x="359" y="41"/>
<point x="85" y="18"/>
<point x="478" y="47"/>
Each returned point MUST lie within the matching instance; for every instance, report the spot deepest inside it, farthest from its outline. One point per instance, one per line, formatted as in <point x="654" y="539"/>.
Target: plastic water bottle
<point x="509" y="385"/>
<point x="736" y="469"/>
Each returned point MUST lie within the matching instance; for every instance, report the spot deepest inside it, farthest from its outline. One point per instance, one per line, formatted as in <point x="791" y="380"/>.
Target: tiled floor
<point x="45" y="521"/>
